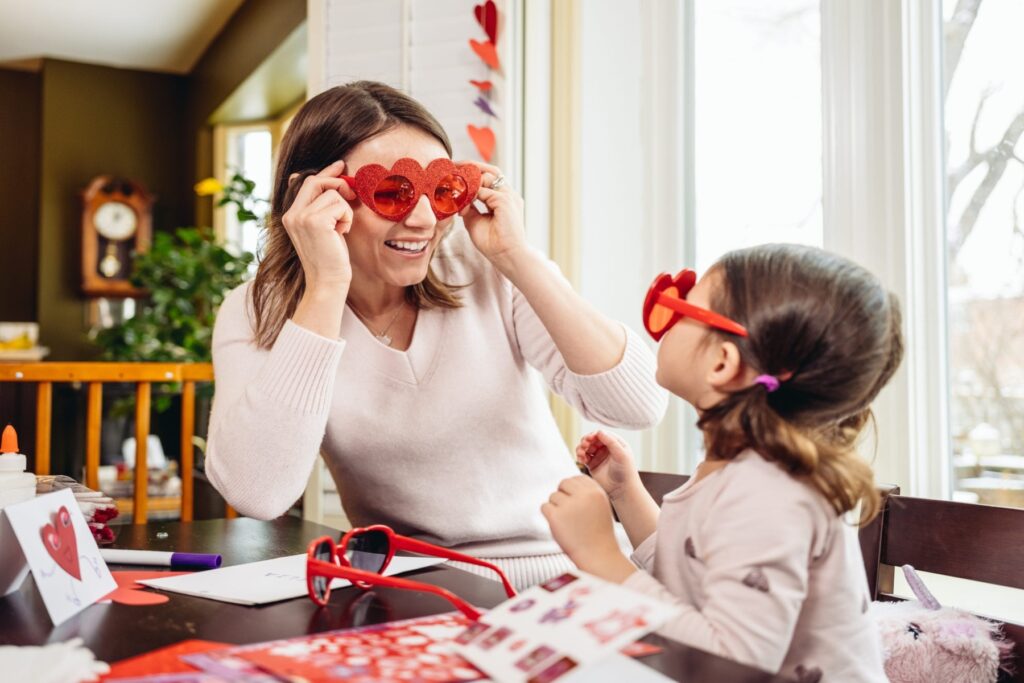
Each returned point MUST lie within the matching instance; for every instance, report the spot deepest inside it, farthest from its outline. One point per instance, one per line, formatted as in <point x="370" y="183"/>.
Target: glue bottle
<point x="16" y="485"/>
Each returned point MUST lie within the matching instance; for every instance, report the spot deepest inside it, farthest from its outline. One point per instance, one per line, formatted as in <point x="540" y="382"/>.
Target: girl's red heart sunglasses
<point x="666" y="305"/>
<point x="393" y="193"/>
<point x="363" y="554"/>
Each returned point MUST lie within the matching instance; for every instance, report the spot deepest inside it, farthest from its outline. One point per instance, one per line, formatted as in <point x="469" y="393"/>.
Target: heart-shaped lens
<point x="394" y="196"/>
<point x="661" y="316"/>
<point x="320" y="583"/>
<point x="450" y="194"/>
<point x="368" y="551"/>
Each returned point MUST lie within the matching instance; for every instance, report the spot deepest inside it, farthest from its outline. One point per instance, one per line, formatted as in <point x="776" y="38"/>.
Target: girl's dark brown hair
<point x="326" y="129"/>
<point x="835" y="328"/>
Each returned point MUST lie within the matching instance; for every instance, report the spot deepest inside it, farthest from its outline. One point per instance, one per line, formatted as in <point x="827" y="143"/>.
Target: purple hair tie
<point x="769" y="382"/>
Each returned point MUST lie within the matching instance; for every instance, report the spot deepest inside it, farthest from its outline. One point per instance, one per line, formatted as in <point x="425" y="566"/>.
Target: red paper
<point x="128" y="592"/>
<point x="396" y="651"/>
<point x="166" y="660"/>
<point x="487" y="16"/>
<point x="486" y="52"/>
<point x="483" y="138"/>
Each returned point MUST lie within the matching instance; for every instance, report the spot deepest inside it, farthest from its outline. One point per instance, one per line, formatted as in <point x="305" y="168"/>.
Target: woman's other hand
<point x="316" y="223"/>
<point x="499" y="234"/>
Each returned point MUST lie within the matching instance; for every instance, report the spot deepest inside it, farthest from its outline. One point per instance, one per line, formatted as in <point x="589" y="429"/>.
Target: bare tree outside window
<point x="984" y="114"/>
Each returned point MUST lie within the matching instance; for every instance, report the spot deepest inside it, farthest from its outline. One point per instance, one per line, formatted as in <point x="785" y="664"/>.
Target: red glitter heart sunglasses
<point x="393" y="193"/>
<point x="666" y="305"/>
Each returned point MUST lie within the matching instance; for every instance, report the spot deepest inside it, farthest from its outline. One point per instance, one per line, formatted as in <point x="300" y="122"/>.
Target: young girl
<point x="781" y="350"/>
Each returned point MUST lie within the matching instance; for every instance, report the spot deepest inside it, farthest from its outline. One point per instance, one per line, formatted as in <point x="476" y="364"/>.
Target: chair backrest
<point x="94" y="376"/>
<point x="963" y="540"/>
<point x="660" y="483"/>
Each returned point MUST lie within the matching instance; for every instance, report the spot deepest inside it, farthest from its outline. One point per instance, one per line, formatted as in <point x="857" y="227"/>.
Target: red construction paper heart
<point x="128" y="592"/>
<point x="483" y="85"/>
<point x="487" y="16"/>
<point x="60" y="542"/>
<point x="486" y="52"/>
<point x="483" y="138"/>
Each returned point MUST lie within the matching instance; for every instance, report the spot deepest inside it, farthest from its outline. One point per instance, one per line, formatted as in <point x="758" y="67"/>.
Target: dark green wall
<point x="250" y="36"/>
<point x="98" y="120"/>
<point x="70" y="122"/>
<point x="19" y="193"/>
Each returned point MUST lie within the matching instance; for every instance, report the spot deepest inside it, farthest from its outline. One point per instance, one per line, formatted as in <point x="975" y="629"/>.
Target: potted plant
<point x="186" y="274"/>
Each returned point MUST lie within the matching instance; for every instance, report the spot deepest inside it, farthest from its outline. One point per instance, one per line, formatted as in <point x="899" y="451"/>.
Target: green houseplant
<point x="187" y="274"/>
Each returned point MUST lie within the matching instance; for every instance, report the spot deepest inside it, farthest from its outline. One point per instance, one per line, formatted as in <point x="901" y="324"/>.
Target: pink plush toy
<point x="924" y="642"/>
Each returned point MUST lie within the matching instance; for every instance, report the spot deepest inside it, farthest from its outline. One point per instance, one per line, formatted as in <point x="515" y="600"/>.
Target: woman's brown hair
<point x="830" y="332"/>
<point x="326" y="129"/>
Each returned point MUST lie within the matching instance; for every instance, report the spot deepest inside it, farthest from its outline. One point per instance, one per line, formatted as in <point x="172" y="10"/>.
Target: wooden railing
<point x="94" y="376"/>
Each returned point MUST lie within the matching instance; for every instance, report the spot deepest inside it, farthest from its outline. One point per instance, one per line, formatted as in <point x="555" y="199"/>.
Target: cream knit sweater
<point x="451" y="440"/>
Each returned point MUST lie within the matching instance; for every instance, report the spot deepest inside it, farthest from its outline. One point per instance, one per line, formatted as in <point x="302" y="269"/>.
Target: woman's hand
<point x="581" y="522"/>
<point x="609" y="461"/>
<point x="499" y="235"/>
<point x="316" y="223"/>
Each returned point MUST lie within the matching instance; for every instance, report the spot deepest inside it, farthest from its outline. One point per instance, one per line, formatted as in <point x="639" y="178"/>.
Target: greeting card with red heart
<point x="54" y="541"/>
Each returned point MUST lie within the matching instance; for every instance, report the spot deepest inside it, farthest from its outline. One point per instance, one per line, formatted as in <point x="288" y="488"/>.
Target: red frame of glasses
<point x="683" y="281"/>
<point x="340" y="567"/>
<point x="424" y="181"/>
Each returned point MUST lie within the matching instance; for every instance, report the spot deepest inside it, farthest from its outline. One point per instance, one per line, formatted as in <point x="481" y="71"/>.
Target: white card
<point x="61" y="552"/>
<point x="13" y="566"/>
<point x="258" y="583"/>
<point x="559" y="626"/>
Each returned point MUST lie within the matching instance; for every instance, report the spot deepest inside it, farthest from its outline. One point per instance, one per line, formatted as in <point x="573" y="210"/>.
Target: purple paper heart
<point x="485" y="106"/>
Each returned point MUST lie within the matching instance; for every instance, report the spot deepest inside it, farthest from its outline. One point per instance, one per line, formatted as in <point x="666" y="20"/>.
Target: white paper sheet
<point x="259" y="583"/>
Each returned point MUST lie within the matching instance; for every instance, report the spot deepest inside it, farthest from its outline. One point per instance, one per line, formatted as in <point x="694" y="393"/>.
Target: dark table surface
<point x="113" y="631"/>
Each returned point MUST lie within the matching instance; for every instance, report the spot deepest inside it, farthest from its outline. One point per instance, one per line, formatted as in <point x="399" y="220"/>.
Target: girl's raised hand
<point x="609" y="461"/>
<point x="316" y="223"/>
<point x="499" y="233"/>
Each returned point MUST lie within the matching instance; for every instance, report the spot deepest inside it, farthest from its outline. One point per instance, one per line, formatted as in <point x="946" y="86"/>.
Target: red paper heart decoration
<point x="60" y="542"/>
<point x="483" y="85"/>
<point x="486" y="52"/>
<point x="483" y="138"/>
<point x="128" y="592"/>
<point x="487" y="16"/>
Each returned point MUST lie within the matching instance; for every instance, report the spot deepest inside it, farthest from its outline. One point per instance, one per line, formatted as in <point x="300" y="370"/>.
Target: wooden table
<point x="114" y="631"/>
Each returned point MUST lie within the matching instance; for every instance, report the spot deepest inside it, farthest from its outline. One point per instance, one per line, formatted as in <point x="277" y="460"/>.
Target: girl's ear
<point x="728" y="372"/>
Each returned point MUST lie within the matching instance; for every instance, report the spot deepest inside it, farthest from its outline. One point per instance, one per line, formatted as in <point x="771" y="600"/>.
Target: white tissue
<point x="67" y="662"/>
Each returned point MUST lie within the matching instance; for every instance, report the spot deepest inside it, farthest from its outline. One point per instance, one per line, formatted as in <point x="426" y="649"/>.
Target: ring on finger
<point x="498" y="182"/>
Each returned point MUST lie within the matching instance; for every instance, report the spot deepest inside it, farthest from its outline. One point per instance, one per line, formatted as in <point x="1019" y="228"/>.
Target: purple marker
<point x="158" y="558"/>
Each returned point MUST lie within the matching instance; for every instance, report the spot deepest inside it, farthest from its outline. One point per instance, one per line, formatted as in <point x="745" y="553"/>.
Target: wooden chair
<point x="94" y="376"/>
<point x="963" y="540"/>
<point x="658" y="484"/>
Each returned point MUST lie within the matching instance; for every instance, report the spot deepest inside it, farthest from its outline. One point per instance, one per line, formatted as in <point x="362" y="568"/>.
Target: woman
<point x="399" y="347"/>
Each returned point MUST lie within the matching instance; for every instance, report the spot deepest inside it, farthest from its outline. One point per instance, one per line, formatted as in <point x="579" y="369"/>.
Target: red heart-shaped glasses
<point x="666" y="305"/>
<point x="393" y="193"/>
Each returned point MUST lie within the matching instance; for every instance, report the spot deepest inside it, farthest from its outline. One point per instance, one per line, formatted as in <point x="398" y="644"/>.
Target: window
<point x="248" y="151"/>
<point x="984" y="123"/>
<point x="757" y="118"/>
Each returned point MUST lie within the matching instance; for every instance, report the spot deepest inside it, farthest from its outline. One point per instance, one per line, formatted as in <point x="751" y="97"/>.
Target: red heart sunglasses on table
<point x="393" y="193"/>
<point x="363" y="554"/>
<point x="666" y="304"/>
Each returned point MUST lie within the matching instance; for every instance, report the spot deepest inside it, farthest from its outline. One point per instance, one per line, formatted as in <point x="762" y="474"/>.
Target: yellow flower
<point x="208" y="187"/>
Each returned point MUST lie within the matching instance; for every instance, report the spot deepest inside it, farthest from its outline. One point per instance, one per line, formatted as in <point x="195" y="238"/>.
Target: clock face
<point x="115" y="221"/>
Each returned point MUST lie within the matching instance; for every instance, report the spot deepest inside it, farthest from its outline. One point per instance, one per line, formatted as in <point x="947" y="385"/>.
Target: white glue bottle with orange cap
<point x="16" y="485"/>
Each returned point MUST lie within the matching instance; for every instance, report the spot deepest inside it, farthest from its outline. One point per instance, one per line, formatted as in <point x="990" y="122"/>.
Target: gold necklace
<point x="381" y="336"/>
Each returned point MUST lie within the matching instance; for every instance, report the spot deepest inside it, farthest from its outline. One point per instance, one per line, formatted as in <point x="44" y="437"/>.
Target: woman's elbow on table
<point x="251" y="499"/>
